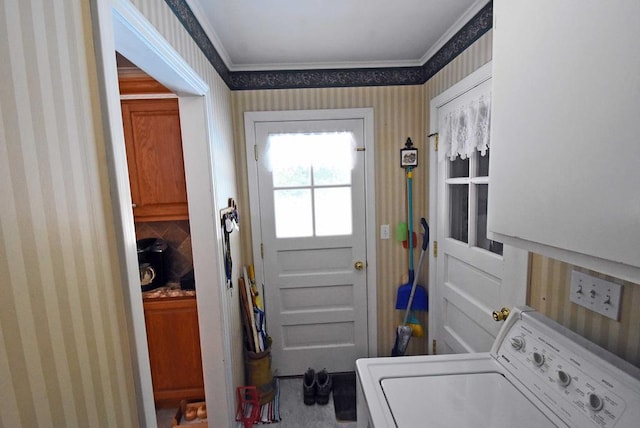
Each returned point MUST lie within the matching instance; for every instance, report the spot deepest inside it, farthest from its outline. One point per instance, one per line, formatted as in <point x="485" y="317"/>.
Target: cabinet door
<point x="154" y="156"/>
<point x="565" y="152"/>
<point x="174" y="349"/>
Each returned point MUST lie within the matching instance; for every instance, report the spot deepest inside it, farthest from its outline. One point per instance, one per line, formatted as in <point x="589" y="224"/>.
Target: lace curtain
<point x="466" y="129"/>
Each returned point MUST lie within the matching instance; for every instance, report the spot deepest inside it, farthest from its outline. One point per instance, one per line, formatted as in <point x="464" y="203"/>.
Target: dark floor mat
<point x="344" y="396"/>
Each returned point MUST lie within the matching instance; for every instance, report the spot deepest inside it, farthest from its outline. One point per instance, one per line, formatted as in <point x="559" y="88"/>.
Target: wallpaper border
<point x="331" y="78"/>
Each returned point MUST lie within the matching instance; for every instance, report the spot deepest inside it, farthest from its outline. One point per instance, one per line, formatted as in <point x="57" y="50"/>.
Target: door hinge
<point x="435" y="248"/>
<point x="255" y="152"/>
<point x="261" y="251"/>
<point x="433" y="347"/>
<point x="435" y="134"/>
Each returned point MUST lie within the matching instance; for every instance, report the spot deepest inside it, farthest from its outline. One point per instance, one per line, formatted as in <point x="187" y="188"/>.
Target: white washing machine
<point x="538" y="374"/>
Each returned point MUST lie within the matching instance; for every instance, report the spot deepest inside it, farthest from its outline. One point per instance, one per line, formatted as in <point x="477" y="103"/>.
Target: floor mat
<point x="344" y="396"/>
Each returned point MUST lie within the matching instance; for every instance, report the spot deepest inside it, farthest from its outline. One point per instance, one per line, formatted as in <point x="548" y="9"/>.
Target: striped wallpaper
<point x="549" y="293"/>
<point x="65" y="358"/>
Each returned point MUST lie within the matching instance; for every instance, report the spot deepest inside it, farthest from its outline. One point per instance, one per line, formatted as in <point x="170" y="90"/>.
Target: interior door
<point x="312" y="223"/>
<point x="472" y="275"/>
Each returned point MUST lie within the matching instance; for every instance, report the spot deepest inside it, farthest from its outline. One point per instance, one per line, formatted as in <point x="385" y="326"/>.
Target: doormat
<point x="344" y="396"/>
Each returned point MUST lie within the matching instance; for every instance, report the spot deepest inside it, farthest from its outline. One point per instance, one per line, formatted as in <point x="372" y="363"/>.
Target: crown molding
<point x="344" y="75"/>
<point x="467" y="17"/>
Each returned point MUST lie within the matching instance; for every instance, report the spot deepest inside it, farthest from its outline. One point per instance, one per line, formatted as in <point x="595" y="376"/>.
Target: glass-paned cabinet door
<point x="468" y="190"/>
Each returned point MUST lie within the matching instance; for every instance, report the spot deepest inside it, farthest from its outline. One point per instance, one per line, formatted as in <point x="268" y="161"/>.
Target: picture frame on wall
<point x="408" y="158"/>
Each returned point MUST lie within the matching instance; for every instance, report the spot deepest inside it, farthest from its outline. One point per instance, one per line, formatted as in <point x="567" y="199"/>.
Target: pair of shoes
<point x="316" y="387"/>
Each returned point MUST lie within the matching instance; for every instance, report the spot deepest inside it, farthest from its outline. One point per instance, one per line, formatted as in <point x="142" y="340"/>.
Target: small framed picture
<point x="408" y="157"/>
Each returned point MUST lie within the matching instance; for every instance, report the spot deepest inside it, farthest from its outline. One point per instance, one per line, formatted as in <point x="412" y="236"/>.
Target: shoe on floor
<point x="309" y="387"/>
<point x="324" y="387"/>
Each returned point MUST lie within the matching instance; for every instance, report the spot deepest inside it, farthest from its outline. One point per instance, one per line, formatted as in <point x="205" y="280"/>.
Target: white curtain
<point x="314" y="148"/>
<point x="466" y="129"/>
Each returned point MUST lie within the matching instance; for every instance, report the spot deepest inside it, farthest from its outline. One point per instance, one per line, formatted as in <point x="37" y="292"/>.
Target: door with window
<point x="472" y="275"/>
<point x="311" y="193"/>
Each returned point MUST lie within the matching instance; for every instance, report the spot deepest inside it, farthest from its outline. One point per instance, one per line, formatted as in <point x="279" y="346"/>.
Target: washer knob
<point x="563" y="378"/>
<point x="517" y="343"/>
<point x="538" y="359"/>
<point x="595" y="402"/>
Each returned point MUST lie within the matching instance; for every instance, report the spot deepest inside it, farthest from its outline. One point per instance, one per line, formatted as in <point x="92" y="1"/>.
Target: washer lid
<point x="461" y="401"/>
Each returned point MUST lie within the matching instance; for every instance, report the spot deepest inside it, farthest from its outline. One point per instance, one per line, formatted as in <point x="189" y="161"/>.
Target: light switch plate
<point x="596" y="294"/>
<point x="384" y="231"/>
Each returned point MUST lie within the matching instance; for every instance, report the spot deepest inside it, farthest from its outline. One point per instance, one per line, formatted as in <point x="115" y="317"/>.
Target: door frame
<point x="118" y="25"/>
<point x="366" y="114"/>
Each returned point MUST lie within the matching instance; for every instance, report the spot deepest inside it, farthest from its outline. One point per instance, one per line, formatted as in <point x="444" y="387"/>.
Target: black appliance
<point x="187" y="281"/>
<point x="153" y="259"/>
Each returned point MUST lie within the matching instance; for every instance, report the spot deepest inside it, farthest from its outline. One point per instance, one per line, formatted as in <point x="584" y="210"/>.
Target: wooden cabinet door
<point x="154" y="156"/>
<point x="174" y="349"/>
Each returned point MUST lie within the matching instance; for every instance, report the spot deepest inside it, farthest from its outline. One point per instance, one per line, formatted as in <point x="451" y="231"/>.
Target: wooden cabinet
<point x="154" y="156"/>
<point x="564" y="143"/>
<point x="174" y="349"/>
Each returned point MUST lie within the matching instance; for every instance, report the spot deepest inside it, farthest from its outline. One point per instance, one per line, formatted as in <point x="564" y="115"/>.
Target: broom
<point x="404" y="331"/>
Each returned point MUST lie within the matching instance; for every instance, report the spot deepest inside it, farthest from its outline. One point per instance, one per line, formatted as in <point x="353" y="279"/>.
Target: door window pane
<point x="333" y="211"/>
<point x="459" y="212"/>
<point x="292" y="157"/>
<point x="483" y="164"/>
<point x="289" y="165"/>
<point x="293" y="213"/>
<point x="291" y="176"/>
<point x="459" y="168"/>
<point x="333" y="159"/>
<point x="482" y="191"/>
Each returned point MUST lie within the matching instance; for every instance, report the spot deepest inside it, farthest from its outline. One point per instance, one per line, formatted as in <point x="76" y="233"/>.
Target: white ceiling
<point x="303" y="34"/>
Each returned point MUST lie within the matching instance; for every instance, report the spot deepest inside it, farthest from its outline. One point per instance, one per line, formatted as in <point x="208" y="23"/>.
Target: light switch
<point x="596" y="294"/>
<point x="384" y="231"/>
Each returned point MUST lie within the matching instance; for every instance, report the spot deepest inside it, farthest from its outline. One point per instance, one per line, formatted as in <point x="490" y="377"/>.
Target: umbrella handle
<point x="410" y="219"/>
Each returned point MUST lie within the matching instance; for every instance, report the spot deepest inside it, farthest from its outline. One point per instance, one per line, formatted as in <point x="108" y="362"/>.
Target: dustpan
<point x="420" y="298"/>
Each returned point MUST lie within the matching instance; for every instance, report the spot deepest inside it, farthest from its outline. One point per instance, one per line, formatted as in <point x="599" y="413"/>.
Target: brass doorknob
<point x="358" y="265"/>
<point x="501" y="315"/>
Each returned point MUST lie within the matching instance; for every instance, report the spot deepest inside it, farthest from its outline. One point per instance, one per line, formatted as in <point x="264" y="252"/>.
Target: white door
<point x="312" y="233"/>
<point x="472" y="275"/>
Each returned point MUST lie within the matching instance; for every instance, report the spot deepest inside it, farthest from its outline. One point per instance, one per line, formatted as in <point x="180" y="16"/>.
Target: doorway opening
<point x="311" y="187"/>
<point x="119" y="26"/>
<point x="151" y="121"/>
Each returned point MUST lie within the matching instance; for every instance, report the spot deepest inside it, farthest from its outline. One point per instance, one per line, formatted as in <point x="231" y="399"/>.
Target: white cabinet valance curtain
<point x="466" y="129"/>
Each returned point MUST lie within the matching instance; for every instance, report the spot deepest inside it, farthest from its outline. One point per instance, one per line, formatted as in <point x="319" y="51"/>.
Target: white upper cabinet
<point x="565" y="137"/>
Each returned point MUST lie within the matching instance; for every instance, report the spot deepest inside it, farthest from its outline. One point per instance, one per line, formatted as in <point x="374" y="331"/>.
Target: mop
<point x="404" y="331"/>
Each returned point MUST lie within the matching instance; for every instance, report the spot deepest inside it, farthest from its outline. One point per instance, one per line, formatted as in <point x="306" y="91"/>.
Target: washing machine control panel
<point x="573" y="382"/>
